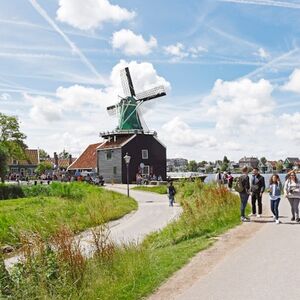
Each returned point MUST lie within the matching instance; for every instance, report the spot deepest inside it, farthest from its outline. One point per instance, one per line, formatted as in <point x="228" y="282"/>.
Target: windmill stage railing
<point x="125" y="132"/>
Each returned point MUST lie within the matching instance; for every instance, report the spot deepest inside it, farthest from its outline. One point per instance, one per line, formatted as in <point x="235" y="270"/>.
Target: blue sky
<point x="231" y="69"/>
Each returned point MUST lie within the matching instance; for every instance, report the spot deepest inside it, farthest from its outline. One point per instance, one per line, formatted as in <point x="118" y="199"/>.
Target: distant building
<point x="252" y="162"/>
<point x="270" y="166"/>
<point x="291" y="162"/>
<point x="26" y="166"/>
<point x="176" y="164"/>
<point x="57" y="163"/>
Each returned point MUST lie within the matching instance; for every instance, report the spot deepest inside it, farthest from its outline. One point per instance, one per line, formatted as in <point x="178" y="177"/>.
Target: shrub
<point x="10" y="191"/>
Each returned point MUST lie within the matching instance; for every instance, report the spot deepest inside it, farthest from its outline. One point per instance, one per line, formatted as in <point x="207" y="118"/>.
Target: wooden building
<point x="148" y="157"/>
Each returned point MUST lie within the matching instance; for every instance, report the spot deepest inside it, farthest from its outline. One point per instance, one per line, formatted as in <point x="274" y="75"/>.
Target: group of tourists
<point x="254" y="186"/>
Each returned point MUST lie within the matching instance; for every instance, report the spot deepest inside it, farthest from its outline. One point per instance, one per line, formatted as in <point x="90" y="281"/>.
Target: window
<point x="144" y="154"/>
<point x="146" y="170"/>
<point x="115" y="170"/>
<point x="108" y="154"/>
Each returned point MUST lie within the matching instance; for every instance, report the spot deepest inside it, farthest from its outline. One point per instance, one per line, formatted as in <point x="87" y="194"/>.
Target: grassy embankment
<point x="131" y="271"/>
<point x="46" y="208"/>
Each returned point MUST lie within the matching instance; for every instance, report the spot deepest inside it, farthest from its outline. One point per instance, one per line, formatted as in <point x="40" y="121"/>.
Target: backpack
<point x="239" y="186"/>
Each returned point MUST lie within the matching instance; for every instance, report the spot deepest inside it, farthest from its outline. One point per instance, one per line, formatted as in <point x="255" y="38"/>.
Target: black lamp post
<point x="127" y="161"/>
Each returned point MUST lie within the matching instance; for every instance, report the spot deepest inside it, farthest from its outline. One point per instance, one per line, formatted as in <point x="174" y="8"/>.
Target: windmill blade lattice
<point x="153" y="93"/>
<point x="127" y="84"/>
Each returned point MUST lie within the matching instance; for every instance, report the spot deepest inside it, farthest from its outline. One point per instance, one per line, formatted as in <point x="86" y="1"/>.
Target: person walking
<point x="257" y="188"/>
<point x="292" y="192"/>
<point x="230" y="180"/>
<point x="243" y="187"/>
<point x="275" y="192"/>
<point x="219" y="178"/>
<point x="171" y="193"/>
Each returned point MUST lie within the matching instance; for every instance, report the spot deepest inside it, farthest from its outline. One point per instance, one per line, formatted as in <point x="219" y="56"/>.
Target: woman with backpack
<point x="171" y="193"/>
<point x="292" y="192"/>
<point x="275" y="192"/>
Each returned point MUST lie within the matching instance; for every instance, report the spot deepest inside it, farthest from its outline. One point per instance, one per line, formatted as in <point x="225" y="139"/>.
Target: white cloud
<point x="44" y="109"/>
<point x="131" y="43"/>
<point x="293" y="85"/>
<point x="241" y="105"/>
<point x="90" y="14"/>
<point x="5" y="97"/>
<point x="262" y="53"/>
<point x="197" y="51"/>
<point x="180" y="133"/>
<point x="179" y="51"/>
<point x="289" y="128"/>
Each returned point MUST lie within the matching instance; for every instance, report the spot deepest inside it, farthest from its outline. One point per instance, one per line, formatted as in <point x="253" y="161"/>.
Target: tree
<point x="226" y="160"/>
<point x="3" y="162"/>
<point x="43" y="154"/>
<point x="192" y="166"/>
<point x="64" y="154"/>
<point x="42" y="167"/>
<point x="11" y="137"/>
<point x="224" y="167"/>
<point x="279" y="166"/>
<point x="263" y="160"/>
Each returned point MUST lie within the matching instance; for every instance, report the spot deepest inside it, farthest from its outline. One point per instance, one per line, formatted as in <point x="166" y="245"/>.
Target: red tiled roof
<point x="87" y="160"/>
<point x="120" y="140"/>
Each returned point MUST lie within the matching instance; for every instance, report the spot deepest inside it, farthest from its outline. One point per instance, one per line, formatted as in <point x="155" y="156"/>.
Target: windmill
<point x="128" y="107"/>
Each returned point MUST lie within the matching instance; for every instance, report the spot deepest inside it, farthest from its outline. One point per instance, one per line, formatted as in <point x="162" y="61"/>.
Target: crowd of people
<point x="254" y="186"/>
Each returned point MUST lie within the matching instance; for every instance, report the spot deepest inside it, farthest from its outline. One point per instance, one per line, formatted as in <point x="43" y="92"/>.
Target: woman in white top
<point x="292" y="192"/>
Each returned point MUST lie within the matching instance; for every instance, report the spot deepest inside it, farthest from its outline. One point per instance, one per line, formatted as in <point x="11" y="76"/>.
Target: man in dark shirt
<point x="244" y="194"/>
<point x="257" y="188"/>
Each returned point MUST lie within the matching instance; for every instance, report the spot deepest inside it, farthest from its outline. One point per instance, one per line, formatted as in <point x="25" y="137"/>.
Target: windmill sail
<point x="128" y="107"/>
<point x="127" y="84"/>
<point x="153" y="93"/>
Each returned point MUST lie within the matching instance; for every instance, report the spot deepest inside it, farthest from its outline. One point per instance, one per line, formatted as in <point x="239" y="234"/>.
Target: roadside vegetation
<point x="122" y="271"/>
<point x="43" y="209"/>
<point x="159" y="189"/>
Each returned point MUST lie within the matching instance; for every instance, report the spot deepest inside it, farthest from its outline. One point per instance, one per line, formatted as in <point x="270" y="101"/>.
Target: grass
<point x="128" y="271"/>
<point x="159" y="189"/>
<point x="78" y="206"/>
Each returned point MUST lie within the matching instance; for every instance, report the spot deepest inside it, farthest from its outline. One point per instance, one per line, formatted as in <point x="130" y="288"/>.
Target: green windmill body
<point x="127" y="108"/>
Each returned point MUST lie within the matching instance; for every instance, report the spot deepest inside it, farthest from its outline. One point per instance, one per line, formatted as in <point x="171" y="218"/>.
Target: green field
<point x="131" y="271"/>
<point x="78" y="206"/>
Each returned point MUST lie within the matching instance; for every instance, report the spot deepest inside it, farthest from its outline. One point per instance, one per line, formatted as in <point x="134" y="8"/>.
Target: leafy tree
<point x="3" y="162"/>
<point x="11" y="137"/>
<point x="202" y="164"/>
<point x="64" y="154"/>
<point x="42" y="167"/>
<point x="224" y="167"/>
<point x="226" y="160"/>
<point x="263" y="160"/>
<point x="43" y="154"/>
<point x="279" y="166"/>
<point x="192" y="166"/>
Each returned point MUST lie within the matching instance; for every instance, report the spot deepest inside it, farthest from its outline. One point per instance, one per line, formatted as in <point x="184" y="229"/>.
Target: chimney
<point x="56" y="160"/>
<point x="70" y="159"/>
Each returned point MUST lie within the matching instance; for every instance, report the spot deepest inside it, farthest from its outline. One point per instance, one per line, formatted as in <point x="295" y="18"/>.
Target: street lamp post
<point x="127" y="161"/>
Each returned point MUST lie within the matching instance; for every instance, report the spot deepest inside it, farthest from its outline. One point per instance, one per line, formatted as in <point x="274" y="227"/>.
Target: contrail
<point x="73" y="47"/>
<point x="266" y="3"/>
<point x="272" y="63"/>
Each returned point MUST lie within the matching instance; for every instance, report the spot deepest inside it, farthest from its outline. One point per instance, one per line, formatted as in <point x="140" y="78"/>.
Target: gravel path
<point x="258" y="264"/>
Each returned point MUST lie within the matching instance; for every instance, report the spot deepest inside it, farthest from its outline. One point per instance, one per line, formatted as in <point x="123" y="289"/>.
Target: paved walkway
<point x="265" y="266"/>
<point x="153" y="214"/>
